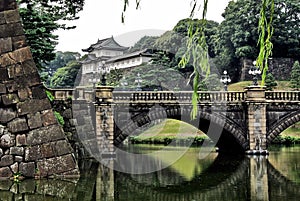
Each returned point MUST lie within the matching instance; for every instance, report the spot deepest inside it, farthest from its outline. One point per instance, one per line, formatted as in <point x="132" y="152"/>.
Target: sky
<point x="102" y="18"/>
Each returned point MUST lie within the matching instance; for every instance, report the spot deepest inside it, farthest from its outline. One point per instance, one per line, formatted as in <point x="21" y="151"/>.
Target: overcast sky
<point x="102" y="18"/>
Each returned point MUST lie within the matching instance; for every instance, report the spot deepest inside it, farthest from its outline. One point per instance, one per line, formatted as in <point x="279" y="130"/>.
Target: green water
<point x="216" y="177"/>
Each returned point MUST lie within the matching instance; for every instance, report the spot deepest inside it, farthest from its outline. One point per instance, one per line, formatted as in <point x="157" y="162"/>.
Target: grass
<point x="240" y="86"/>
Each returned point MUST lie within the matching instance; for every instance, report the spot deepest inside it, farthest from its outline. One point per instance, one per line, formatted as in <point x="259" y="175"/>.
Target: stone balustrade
<point x="283" y="95"/>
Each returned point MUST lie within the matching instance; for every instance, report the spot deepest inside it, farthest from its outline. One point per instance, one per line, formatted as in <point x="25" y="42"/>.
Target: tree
<point x="270" y="82"/>
<point x="238" y="34"/>
<point x="295" y="76"/>
<point x="40" y="19"/>
<point x="61" y="60"/>
<point x="66" y="76"/>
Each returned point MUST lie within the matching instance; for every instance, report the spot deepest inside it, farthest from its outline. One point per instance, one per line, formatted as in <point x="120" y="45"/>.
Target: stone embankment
<point x="32" y="143"/>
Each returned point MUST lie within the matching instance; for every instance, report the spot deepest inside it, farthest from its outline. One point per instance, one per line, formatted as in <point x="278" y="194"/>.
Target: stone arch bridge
<point x="247" y="121"/>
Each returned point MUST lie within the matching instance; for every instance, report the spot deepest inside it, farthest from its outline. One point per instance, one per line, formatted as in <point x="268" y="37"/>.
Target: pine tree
<point x="295" y="76"/>
<point x="270" y="82"/>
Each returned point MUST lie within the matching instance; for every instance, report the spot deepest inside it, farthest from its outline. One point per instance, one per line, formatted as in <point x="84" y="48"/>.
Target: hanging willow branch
<point x="265" y="29"/>
<point x="196" y="53"/>
<point x="126" y="4"/>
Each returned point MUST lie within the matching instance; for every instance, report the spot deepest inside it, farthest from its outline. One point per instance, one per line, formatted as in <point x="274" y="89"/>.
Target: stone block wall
<point x="279" y="67"/>
<point x="31" y="140"/>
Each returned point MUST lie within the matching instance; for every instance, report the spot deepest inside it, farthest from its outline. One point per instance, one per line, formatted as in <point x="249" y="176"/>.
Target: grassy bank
<point x="240" y="86"/>
<point x="181" y="133"/>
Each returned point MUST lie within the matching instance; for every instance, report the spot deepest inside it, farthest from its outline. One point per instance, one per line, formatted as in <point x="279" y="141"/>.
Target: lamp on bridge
<point x="138" y="80"/>
<point x="225" y="79"/>
<point x="254" y="71"/>
<point x="103" y="70"/>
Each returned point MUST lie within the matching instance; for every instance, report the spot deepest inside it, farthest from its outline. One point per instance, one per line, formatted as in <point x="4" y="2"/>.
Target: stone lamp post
<point x="254" y="71"/>
<point x="225" y="79"/>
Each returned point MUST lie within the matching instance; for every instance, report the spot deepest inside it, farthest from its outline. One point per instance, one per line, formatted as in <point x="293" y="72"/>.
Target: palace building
<point x="111" y="55"/>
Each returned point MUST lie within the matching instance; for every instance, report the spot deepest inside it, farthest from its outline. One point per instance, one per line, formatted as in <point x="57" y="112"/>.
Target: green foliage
<point x="286" y="140"/>
<point x="198" y="140"/>
<point x="50" y="96"/>
<point x="270" y="82"/>
<point x="59" y="118"/>
<point x="265" y="29"/>
<point x="295" y="76"/>
<point x="66" y="76"/>
<point x="61" y="60"/>
<point x="146" y="42"/>
<point x="238" y="35"/>
<point x="40" y="19"/>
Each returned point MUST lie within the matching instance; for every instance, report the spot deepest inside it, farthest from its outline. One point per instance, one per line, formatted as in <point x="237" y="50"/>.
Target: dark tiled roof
<point x="107" y="43"/>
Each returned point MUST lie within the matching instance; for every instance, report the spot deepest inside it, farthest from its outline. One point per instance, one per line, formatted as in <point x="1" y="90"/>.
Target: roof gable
<point x="107" y="43"/>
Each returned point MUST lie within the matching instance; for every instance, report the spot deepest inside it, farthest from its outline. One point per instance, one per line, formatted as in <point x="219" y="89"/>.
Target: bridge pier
<point x="104" y="120"/>
<point x="256" y="120"/>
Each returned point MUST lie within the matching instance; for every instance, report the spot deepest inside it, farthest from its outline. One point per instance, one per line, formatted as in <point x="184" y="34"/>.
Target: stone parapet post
<point x="256" y="120"/>
<point x="104" y="120"/>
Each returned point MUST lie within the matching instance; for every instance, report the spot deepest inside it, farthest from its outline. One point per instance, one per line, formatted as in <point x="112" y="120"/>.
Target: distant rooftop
<point x="107" y="43"/>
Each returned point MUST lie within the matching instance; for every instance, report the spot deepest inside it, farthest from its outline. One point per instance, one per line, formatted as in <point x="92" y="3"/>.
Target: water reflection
<point x="217" y="177"/>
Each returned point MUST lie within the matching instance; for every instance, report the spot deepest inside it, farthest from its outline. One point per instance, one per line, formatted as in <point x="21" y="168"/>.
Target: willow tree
<point x="197" y="49"/>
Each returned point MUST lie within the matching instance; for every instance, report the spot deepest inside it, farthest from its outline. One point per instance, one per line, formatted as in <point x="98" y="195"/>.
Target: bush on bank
<point x="286" y="140"/>
<point x="198" y="140"/>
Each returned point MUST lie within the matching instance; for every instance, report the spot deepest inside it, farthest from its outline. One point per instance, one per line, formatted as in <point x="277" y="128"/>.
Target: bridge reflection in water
<point x="217" y="177"/>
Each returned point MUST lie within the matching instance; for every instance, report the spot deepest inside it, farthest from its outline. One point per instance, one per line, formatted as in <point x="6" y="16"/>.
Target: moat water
<point x="216" y="177"/>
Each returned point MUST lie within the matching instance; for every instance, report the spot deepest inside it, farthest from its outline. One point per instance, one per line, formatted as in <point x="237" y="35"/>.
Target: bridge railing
<point x="182" y="96"/>
<point x="283" y="95"/>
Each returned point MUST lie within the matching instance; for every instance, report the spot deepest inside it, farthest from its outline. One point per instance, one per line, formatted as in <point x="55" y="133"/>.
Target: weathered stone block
<point x="2" y="19"/>
<point x="5" y="172"/>
<point x="47" y="150"/>
<point x="45" y="135"/>
<point x="27" y="169"/>
<point x="3" y="73"/>
<point x="9" y="30"/>
<point x="62" y="147"/>
<point x="15" y="70"/>
<point x="1" y="152"/>
<point x="19" y="151"/>
<point x="14" y="168"/>
<point x="10" y="99"/>
<point x="7" y="5"/>
<point x="6" y="160"/>
<point x="7" y="140"/>
<point x="33" y="106"/>
<point x="21" y="140"/>
<point x="2" y="89"/>
<point x="12" y="16"/>
<point x="23" y="94"/>
<point x="19" y="159"/>
<point x="5" y="45"/>
<point x="6" y="115"/>
<point x="18" y="125"/>
<point x="29" y="67"/>
<point x="34" y="120"/>
<point x="56" y="165"/>
<point x="19" y="42"/>
<point x="33" y="153"/>
<point x="48" y="118"/>
<point x="38" y="92"/>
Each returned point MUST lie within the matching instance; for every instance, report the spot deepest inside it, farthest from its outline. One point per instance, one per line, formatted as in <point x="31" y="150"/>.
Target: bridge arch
<point x="284" y="123"/>
<point x="229" y="128"/>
